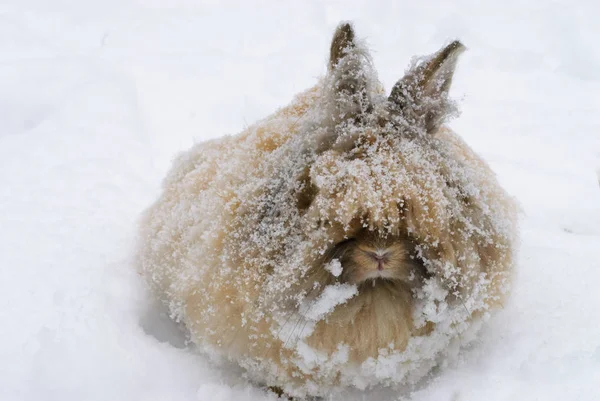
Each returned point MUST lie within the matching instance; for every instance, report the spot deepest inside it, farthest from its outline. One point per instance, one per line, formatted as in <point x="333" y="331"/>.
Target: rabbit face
<point x="371" y="161"/>
<point x="370" y="258"/>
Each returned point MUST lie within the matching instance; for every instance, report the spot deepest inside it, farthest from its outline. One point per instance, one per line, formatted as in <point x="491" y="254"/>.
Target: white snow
<point x="97" y="97"/>
<point x="334" y="267"/>
<point x="326" y="302"/>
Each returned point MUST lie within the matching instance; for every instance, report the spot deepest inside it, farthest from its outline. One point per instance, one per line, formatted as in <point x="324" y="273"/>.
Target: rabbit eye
<point x="339" y="249"/>
<point x="306" y="194"/>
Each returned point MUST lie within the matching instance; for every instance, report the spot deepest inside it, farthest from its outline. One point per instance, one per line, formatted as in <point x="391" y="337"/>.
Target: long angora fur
<point x="266" y="244"/>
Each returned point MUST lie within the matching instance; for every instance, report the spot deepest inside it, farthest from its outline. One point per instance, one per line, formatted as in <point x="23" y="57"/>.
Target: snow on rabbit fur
<point x="256" y="240"/>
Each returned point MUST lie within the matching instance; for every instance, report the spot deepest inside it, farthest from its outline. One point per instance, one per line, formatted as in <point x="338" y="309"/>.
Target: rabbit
<point x="349" y="240"/>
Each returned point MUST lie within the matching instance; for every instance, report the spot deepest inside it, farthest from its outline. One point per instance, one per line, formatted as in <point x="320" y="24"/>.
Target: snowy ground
<point x="97" y="96"/>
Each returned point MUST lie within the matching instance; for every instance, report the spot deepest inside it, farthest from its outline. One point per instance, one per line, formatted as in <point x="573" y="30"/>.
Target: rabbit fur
<point x="241" y="244"/>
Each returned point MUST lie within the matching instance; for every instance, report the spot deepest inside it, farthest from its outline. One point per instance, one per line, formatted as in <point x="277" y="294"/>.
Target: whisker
<point x="298" y="322"/>
<point x="302" y="329"/>
<point x="290" y="315"/>
<point x="460" y="298"/>
<point x="293" y="330"/>
<point x="465" y="306"/>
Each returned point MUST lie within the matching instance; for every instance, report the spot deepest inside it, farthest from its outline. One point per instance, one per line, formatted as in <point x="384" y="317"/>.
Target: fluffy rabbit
<point x="350" y="239"/>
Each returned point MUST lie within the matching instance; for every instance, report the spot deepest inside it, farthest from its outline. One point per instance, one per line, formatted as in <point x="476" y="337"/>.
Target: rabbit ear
<point x="347" y="82"/>
<point x="341" y="44"/>
<point x="422" y="94"/>
<point x="349" y="71"/>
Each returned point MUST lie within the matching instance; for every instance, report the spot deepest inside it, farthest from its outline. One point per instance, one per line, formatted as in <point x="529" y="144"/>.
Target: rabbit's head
<point x="375" y="157"/>
<point x="369" y="257"/>
<point x="379" y="177"/>
<point x="378" y="183"/>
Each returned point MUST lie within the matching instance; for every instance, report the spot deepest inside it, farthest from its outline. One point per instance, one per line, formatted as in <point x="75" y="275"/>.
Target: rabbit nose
<point x="380" y="258"/>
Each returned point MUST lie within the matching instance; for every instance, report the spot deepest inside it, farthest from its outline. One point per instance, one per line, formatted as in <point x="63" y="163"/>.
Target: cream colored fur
<point x="234" y="253"/>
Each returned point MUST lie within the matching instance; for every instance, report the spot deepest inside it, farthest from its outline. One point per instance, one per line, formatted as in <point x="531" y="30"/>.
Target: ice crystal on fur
<point x="350" y="239"/>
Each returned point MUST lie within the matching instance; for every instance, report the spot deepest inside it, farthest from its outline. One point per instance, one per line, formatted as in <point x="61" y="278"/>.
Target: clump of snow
<point x="334" y="267"/>
<point x="332" y="296"/>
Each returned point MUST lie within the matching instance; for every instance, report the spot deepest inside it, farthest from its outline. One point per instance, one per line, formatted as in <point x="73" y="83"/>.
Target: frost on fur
<point x="275" y="246"/>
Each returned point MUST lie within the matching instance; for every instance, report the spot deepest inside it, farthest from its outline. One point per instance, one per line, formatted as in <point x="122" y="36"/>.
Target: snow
<point x="331" y="296"/>
<point x="334" y="267"/>
<point x="97" y="97"/>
